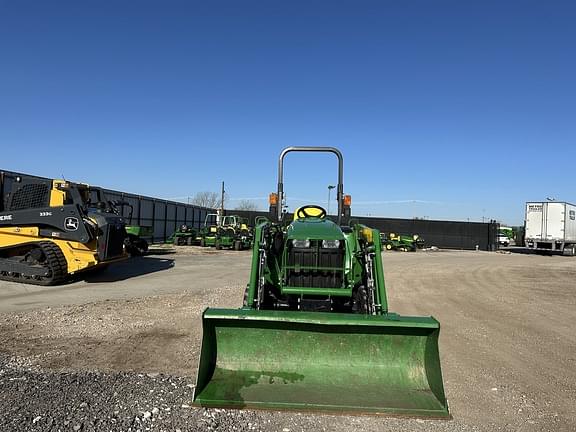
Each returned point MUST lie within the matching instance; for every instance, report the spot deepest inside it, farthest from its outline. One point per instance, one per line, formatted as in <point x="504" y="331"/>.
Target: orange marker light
<point x="348" y="200"/>
<point x="273" y="199"/>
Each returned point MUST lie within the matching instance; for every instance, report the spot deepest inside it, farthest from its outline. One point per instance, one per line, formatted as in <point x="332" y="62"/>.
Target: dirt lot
<point x="118" y="350"/>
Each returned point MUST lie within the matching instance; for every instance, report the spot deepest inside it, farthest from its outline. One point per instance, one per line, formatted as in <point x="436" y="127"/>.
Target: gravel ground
<point x="508" y="347"/>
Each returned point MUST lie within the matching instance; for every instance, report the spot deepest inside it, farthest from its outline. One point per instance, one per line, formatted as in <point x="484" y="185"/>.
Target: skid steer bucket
<point x="322" y="362"/>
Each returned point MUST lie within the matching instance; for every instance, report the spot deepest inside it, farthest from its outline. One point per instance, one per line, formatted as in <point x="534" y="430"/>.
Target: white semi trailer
<point x="551" y="227"/>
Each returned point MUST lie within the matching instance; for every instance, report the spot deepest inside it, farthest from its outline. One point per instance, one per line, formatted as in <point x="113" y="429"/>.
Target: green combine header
<point x="315" y="332"/>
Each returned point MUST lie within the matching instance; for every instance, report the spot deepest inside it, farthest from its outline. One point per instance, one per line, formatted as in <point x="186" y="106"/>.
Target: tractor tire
<point x="202" y="242"/>
<point x="238" y="245"/>
<point x="218" y="245"/>
<point x="189" y="241"/>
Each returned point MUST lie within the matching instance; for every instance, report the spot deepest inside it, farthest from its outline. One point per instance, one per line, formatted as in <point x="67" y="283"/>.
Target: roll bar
<point x="340" y="187"/>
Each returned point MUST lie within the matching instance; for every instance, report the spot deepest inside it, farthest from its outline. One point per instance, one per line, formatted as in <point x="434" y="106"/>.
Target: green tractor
<point x="209" y="231"/>
<point x="234" y="233"/>
<point x="315" y="332"/>
<point x="135" y="241"/>
<point x="405" y="243"/>
<point x="185" y="235"/>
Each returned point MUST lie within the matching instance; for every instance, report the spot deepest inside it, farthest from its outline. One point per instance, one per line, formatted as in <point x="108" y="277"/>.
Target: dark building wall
<point x="163" y="215"/>
<point x="443" y="234"/>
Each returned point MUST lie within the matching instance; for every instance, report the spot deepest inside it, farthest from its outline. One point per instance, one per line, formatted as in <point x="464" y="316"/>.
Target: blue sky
<point x="444" y="109"/>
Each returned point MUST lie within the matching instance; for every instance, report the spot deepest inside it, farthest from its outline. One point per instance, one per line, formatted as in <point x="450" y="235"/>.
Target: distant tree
<point x="246" y="205"/>
<point x="207" y="199"/>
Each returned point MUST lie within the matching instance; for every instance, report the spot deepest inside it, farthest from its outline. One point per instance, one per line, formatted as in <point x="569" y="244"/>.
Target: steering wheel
<point x="303" y="212"/>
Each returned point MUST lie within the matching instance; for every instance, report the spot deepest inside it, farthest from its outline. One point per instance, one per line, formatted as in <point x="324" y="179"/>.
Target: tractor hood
<point x="314" y="228"/>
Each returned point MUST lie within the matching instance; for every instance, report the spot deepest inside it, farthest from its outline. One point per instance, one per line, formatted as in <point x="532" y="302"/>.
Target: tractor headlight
<point x="330" y="244"/>
<point x="301" y="243"/>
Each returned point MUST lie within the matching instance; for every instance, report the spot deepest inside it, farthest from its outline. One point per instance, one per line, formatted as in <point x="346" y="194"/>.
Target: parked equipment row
<point x="221" y="232"/>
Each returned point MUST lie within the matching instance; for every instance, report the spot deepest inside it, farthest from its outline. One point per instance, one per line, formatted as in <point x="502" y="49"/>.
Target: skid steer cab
<point x="51" y="229"/>
<point x="315" y="332"/>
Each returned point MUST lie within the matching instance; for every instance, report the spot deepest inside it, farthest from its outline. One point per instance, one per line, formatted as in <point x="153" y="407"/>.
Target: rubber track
<point x="55" y="260"/>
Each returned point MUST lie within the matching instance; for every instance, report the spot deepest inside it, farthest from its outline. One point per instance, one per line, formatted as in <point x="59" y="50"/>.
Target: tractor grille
<point x="315" y="267"/>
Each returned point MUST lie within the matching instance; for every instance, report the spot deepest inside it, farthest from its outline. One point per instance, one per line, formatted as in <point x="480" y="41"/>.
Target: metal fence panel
<point x="443" y="234"/>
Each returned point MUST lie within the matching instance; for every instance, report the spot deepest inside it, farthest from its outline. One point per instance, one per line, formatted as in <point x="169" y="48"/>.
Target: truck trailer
<point x="551" y="227"/>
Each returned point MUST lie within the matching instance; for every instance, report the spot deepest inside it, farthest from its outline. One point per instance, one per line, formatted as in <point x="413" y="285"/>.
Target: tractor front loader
<point x="50" y="229"/>
<point x="315" y="332"/>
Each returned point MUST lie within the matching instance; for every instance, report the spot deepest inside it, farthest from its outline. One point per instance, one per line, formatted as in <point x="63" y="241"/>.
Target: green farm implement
<point x="234" y="233"/>
<point x="135" y="241"/>
<point x="209" y="231"/>
<point x="315" y="332"/>
<point x="401" y="242"/>
<point x="185" y="235"/>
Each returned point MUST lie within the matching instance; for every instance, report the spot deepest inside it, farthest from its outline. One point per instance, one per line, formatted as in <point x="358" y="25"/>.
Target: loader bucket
<point x="322" y="362"/>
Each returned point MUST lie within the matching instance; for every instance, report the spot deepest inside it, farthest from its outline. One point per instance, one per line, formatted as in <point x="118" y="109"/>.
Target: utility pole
<point x="330" y="187"/>
<point x="222" y="203"/>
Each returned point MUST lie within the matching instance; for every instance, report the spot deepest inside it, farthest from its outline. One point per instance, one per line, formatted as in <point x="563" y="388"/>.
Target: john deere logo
<point x="71" y="224"/>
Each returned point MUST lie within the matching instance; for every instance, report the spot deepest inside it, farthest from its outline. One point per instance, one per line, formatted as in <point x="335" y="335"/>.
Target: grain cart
<point x="315" y="332"/>
<point x="50" y="229"/>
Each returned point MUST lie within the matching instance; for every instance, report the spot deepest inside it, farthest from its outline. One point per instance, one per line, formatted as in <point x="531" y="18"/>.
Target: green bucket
<point x="318" y="361"/>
